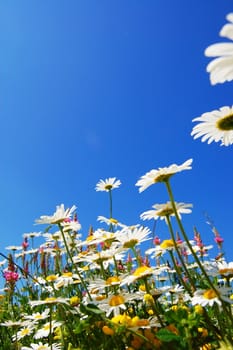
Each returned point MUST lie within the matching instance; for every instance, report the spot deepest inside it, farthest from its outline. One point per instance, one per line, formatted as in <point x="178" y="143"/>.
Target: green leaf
<point x="166" y="336"/>
<point x="90" y="309"/>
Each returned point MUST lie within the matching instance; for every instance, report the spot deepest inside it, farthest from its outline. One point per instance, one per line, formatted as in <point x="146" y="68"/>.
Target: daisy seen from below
<point x="36" y="317"/>
<point x="48" y="301"/>
<point x="216" y="125"/>
<point x="221" y="68"/>
<point x="161" y="211"/>
<point x="107" y="184"/>
<point x="206" y="297"/>
<point x="61" y="214"/>
<point x="131" y="236"/>
<point x="161" y="174"/>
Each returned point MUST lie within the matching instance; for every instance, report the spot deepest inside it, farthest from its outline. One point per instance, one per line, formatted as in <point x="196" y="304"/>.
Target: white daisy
<point x="161" y="211"/>
<point x="23" y="332"/>
<point x="14" y="247"/>
<point x="130" y="237"/>
<point x="215" y="126"/>
<point x="31" y="234"/>
<point x="36" y="317"/>
<point x="161" y="174"/>
<point x="221" y="68"/>
<point x="47" y="301"/>
<point x="140" y="272"/>
<point x="48" y="328"/>
<point x="206" y="297"/>
<point x="107" y="184"/>
<point x="59" y="216"/>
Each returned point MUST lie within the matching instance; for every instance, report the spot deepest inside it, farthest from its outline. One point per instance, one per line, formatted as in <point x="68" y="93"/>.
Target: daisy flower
<point x="36" y="317"/>
<point x="215" y="126"/>
<point x="225" y="269"/>
<point x="48" y="328"/>
<point x="161" y="211"/>
<point x="23" y="332"/>
<point x="59" y="216"/>
<point x="110" y="221"/>
<point x="161" y="174"/>
<point x="221" y="68"/>
<point x="32" y="234"/>
<point x="107" y="184"/>
<point x="114" y="303"/>
<point x="47" y="301"/>
<point x="130" y="237"/>
<point x="206" y="297"/>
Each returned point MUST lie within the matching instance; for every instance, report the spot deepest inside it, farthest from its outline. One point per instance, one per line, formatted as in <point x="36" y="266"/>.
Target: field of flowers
<point x="106" y="291"/>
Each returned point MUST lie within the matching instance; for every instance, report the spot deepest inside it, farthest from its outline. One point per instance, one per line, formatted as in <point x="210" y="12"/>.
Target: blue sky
<point x="98" y="89"/>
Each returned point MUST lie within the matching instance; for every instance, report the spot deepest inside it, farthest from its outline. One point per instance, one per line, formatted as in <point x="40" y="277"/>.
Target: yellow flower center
<point x="51" y="299"/>
<point x="51" y="278"/>
<point x="38" y="317"/>
<point x="90" y="238"/>
<point x="167" y="243"/>
<point x="225" y="123"/>
<point x="209" y="294"/>
<point x="162" y="178"/>
<point x="142" y="271"/>
<point x="112" y="280"/>
<point x="116" y="300"/>
<point x="108" y="187"/>
<point x="226" y="271"/>
<point x="25" y="331"/>
<point x="74" y="301"/>
<point x="100" y="297"/>
<point x="166" y="212"/>
<point x="113" y="221"/>
<point x="67" y="274"/>
<point x="131" y="243"/>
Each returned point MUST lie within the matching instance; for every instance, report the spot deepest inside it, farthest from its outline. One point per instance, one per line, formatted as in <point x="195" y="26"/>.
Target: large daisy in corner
<point x="215" y="126"/>
<point x="221" y="68"/>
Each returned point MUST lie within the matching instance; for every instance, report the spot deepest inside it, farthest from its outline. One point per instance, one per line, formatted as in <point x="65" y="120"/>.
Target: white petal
<point x="220" y="49"/>
<point x="227" y="31"/>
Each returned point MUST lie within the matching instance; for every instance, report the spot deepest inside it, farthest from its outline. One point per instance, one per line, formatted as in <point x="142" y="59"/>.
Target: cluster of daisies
<point x="107" y="291"/>
<point x="217" y="125"/>
<point x="113" y="290"/>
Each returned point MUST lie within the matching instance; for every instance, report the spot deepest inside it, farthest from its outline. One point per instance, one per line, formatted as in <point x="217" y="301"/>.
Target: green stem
<point x="192" y="251"/>
<point x="110" y="202"/>
<point x="180" y="256"/>
<point x="73" y="264"/>
<point x="178" y="272"/>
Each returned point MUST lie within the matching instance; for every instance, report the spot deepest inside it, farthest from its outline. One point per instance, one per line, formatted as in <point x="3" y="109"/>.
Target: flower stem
<point x="192" y="250"/>
<point x="180" y="257"/>
<point x="73" y="264"/>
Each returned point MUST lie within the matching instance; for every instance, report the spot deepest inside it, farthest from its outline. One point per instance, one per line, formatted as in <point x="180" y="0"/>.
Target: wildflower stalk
<point x="73" y="264"/>
<point x="180" y="257"/>
<point x="154" y="304"/>
<point x="136" y="255"/>
<point x="178" y="273"/>
<point x="110" y="202"/>
<point x="192" y="250"/>
<point x="50" y="329"/>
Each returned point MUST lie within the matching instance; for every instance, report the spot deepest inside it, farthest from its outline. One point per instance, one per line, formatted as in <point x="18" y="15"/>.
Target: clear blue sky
<point x="97" y="89"/>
